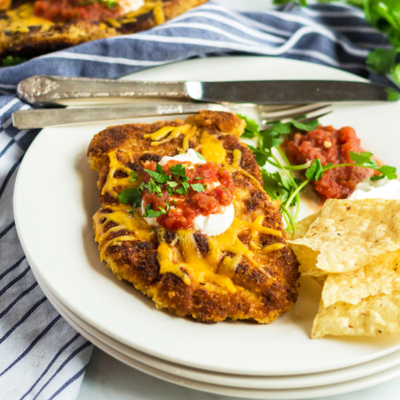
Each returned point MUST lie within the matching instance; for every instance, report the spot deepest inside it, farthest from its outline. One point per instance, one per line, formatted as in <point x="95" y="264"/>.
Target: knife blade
<point x="58" y="90"/>
<point x="31" y="119"/>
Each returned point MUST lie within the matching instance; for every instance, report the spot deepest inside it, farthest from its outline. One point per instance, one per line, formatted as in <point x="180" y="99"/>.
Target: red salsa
<point x="217" y="192"/>
<point x="67" y="10"/>
<point x="330" y="146"/>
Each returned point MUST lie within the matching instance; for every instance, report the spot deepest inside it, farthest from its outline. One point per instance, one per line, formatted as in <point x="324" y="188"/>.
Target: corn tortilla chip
<point x="381" y="276"/>
<point x="371" y="316"/>
<point x="348" y="235"/>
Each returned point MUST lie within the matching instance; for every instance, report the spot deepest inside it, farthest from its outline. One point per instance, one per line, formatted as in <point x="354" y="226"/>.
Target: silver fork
<point x="42" y="118"/>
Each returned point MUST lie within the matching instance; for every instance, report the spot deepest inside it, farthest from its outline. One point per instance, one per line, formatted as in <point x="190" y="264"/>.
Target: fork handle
<point x="39" y="89"/>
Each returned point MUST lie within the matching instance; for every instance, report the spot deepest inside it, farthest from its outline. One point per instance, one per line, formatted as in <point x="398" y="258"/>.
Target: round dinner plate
<point x="56" y="196"/>
<point x="257" y="382"/>
<point x="238" y="391"/>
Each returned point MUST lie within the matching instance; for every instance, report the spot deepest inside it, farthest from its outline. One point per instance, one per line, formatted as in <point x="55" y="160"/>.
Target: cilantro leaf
<point x="152" y="187"/>
<point x="178" y="170"/>
<point x="172" y="184"/>
<point x="198" y="187"/>
<point x="395" y="72"/>
<point x="377" y="177"/>
<point x="315" y="171"/>
<point x="309" y="126"/>
<point x="261" y="156"/>
<point x="199" y="156"/>
<point x="131" y="196"/>
<point x="160" y="169"/>
<point x="281" y="128"/>
<point x="134" y="177"/>
<point x="271" y="139"/>
<point x="388" y="171"/>
<point x="393" y="95"/>
<point x="158" y="176"/>
<point x="381" y="61"/>
<point x="251" y="130"/>
<point x="363" y="159"/>
<point x="183" y="189"/>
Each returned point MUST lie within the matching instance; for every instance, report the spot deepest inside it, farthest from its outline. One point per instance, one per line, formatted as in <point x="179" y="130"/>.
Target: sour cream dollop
<point x="382" y="189"/>
<point x="212" y="224"/>
<point x="130" y="5"/>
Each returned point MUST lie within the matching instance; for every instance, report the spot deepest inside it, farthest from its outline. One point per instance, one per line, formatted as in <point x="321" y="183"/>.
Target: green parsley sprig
<point x="282" y="185"/>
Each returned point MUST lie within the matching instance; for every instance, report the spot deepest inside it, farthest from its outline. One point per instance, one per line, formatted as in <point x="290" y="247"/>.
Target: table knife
<point x="56" y="89"/>
<point x="31" y="119"/>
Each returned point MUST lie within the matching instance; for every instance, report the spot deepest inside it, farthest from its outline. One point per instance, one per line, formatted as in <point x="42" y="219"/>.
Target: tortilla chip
<point x="381" y="276"/>
<point x="348" y="235"/>
<point x="371" y="316"/>
<point x="303" y="226"/>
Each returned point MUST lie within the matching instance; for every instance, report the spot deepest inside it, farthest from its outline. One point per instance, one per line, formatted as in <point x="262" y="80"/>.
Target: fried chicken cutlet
<point x="246" y="272"/>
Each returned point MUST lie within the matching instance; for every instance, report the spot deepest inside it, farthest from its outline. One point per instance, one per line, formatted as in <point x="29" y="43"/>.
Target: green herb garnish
<point x="198" y="187"/>
<point x="282" y="185"/>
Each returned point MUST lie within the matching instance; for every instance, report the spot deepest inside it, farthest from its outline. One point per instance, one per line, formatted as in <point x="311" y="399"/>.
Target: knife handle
<point x="43" y="89"/>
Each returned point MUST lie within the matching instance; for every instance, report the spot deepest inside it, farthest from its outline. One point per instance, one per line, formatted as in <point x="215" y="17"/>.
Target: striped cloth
<point x="41" y="356"/>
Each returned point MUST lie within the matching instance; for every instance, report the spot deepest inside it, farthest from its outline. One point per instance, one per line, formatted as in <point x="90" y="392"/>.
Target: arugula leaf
<point x="158" y="176"/>
<point x="309" y="126"/>
<point x="131" y="196"/>
<point x="363" y="159"/>
<point x="198" y="187"/>
<point x="199" y="156"/>
<point x="252" y="129"/>
<point x="315" y="172"/>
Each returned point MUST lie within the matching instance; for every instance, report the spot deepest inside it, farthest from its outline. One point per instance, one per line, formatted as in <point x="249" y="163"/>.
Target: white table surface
<point x="109" y="379"/>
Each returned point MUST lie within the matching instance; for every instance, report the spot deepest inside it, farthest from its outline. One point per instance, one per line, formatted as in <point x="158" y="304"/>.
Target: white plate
<point x="273" y="382"/>
<point x="56" y="196"/>
<point x="285" y="393"/>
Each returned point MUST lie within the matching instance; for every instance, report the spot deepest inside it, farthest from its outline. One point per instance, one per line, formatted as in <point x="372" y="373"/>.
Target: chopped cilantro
<point x="134" y="177"/>
<point x="183" y="189"/>
<point x="150" y="213"/>
<point x="199" y="177"/>
<point x="198" y="187"/>
<point x="178" y="170"/>
<point x="159" y="177"/>
<point x="315" y="172"/>
<point x="199" y="156"/>
<point x="131" y="196"/>
<point x="172" y="184"/>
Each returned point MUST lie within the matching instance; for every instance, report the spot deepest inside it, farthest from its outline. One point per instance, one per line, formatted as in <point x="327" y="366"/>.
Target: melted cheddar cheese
<point x="182" y="257"/>
<point x="112" y="182"/>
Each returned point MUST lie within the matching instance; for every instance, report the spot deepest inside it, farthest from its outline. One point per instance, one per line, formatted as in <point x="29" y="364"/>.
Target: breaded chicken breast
<point x="247" y="272"/>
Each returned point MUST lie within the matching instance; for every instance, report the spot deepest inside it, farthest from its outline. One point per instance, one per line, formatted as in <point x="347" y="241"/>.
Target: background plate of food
<point x="56" y="197"/>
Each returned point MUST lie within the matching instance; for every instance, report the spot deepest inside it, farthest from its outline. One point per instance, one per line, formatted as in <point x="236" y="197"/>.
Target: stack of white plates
<point x="55" y="198"/>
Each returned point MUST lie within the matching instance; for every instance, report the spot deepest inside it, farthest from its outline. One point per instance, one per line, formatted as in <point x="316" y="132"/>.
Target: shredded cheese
<point x="182" y="257"/>
<point x="112" y="182"/>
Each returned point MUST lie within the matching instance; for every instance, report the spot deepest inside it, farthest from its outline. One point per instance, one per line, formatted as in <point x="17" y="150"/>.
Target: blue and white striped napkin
<point x="41" y="356"/>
